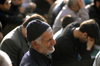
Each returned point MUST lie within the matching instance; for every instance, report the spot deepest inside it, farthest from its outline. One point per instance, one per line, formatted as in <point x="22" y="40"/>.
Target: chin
<point x="51" y="50"/>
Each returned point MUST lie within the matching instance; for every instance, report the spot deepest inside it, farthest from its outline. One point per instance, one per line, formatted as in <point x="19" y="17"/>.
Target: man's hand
<point x="90" y="43"/>
<point x="21" y="10"/>
<point x="81" y="3"/>
<point x="32" y="5"/>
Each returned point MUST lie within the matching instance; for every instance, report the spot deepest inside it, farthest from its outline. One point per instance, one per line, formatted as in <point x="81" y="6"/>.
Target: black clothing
<point x="47" y="59"/>
<point x="5" y="18"/>
<point x="68" y="49"/>
<point x="14" y="11"/>
<point x="94" y="13"/>
<point x="34" y="58"/>
<point x="42" y="7"/>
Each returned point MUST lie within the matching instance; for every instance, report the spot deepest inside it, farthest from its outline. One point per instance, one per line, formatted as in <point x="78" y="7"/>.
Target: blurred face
<point x="76" y="8"/>
<point x="84" y="38"/>
<point x="47" y="43"/>
<point x="18" y="2"/>
<point x="5" y="6"/>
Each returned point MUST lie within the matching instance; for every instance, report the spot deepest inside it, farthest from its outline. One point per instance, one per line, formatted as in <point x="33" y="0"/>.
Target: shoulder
<point x="11" y="38"/>
<point x="27" y="60"/>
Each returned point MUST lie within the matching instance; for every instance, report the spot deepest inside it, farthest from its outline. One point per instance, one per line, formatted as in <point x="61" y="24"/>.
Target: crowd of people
<point x="49" y="32"/>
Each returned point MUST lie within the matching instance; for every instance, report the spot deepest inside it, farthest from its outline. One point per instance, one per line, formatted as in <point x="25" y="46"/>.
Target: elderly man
<point x="75" y="8"/>
<point x="15" y="43"/>
<point x="40" y="35"/>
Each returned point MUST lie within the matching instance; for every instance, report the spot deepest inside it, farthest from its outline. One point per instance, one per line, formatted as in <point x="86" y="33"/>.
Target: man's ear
<point x="34" y="44"/>
<point x="85" y="34"/>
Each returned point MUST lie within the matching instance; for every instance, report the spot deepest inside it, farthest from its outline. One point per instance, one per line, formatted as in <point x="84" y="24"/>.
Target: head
<point x="33" y="17"/>
<point x="67" y="20"/>
<point x="73" y="5"/>
<point x="4" y="59"/>
<point x="4" y="5"/>
<point x="17" y="2"/>
<point x="89" y="28"/>
<point x="97" y="3"/>
<point x="40" y="35"/>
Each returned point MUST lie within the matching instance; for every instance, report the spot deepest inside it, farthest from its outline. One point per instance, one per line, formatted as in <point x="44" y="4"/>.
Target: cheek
<point x="83" y="39"/>
<point x="47" y="45"/>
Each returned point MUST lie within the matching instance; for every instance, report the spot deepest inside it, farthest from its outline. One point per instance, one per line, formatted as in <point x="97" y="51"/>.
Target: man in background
<point x="15" y="43"/>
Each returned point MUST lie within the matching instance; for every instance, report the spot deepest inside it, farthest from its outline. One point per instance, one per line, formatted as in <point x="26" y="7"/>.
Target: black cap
<point x="35" y="29"/>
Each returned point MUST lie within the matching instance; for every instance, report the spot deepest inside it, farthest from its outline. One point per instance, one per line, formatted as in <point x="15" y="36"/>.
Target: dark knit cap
<point x="35" y="28"/>
<point x="2" y="1"/>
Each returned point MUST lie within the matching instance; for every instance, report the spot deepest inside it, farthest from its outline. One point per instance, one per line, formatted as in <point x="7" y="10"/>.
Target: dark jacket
<point x="5" y="18"/>
<point x="15" y="45"/>
<point x="33" y="58"/>
<point x="14" y="11"/>
<point x="94" y="13"/>
<point x="70" y="51"/>
<point x="42" y="7"/>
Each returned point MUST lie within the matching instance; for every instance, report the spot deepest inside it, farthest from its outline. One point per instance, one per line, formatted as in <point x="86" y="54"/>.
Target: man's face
<point x="76" y="7"/>
<point x="18" y="2"/>
<point x="85" y="38"/>
<point x="47" y="43"/>
<point x="5" y="6"/>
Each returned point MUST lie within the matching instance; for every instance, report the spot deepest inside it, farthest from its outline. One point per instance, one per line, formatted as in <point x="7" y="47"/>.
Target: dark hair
<point x="95" y="1"/>
<point x="91" y="27"/>
<point x="33" y="17"/>
<point x="2" y="1"/>
<point x="67" y="20"/>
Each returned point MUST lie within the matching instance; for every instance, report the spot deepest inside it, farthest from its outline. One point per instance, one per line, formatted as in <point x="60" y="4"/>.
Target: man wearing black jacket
<point x="17" y="9"/>
<point x="94" y="11"/>
<point x="73" y="46"/>
<point x="5" y="18"/>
